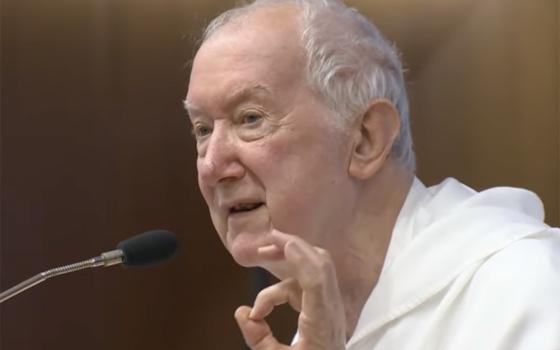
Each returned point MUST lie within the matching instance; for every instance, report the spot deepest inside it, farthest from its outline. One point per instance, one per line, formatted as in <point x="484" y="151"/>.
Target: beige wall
<point x="484" y="87"/>
<point x="95" y="147"/>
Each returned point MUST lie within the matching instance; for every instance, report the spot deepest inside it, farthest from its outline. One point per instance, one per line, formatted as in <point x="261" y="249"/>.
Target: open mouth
<point x="245" y="207"/>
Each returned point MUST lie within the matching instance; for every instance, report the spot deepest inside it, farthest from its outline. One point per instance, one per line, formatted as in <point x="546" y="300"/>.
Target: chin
<point x="245" y="251"/>
<point x="247" y="256"/>
<point x="245" y="259"/>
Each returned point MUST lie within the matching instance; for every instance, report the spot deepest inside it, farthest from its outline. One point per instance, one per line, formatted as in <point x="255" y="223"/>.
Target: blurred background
<point x="95" y="147"/>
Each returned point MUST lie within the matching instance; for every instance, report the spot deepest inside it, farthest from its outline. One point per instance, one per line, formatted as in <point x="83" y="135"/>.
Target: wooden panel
<point x="483" y="82"/>
<point x="95" y="147"/>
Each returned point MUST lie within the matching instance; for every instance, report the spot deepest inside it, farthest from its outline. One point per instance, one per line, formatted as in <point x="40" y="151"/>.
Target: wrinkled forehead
<point x="259" y="49"/>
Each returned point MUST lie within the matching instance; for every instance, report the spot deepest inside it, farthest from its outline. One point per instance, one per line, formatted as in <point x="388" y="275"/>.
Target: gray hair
<point x="349" y="62"/>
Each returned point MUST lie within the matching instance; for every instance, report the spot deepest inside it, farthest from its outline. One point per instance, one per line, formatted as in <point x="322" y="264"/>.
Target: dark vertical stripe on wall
<point x="558" y="103"/>
<point x="259" y="280"/>
<point x="9" y="51"/>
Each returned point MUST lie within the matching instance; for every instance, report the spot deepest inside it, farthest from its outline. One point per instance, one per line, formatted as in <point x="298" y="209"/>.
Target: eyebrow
<point x="189" y="106"/>
<point x="245" y="93"/>
<point x="232" y="99"/>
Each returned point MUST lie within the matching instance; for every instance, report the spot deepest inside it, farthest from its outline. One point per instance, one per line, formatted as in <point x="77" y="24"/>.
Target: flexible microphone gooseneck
<point x="144" y="249"/>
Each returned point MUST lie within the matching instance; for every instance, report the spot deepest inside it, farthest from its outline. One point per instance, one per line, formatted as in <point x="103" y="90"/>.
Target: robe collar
<point x="440" y="232"/>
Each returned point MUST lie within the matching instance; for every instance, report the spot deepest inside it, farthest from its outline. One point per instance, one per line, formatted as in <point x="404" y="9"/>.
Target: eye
<point x="201" y="130"/>
<point x="251" y="118"/>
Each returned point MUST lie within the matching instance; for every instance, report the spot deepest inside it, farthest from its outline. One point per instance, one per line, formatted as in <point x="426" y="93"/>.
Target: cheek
<point x="208" y="195"/>
<point x="217" y="221"/>
<point x="205" y="190"/>
<point x="302" y="192"/>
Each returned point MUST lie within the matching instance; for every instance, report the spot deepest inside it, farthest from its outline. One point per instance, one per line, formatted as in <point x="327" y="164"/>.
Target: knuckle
<point x="265" y="294"/>
<point x="314" y="281"/>
<point x="323" y="252"/>
<point x="325" y="264"/>
<point x="320" y="273"/>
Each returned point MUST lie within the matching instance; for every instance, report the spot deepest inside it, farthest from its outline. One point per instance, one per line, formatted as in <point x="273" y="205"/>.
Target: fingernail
<point x="267" y="249"/>
<point x="252" y="314"/>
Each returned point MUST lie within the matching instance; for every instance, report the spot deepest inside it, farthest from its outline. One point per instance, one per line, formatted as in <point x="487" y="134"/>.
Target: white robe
<point x="466" y="271"/>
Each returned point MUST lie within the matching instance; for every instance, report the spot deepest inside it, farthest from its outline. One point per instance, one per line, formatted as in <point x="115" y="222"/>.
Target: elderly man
<point x="305" y="160"/>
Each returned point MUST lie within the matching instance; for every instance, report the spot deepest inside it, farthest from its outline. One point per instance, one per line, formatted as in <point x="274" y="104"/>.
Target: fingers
<point x="257" y="333"/>
<point x="322" y="322"/>
<point x="310" y="286"/>
<point x="271" y="252"/>
<point x="286" y="291"/>
<point x="312" y="268"/>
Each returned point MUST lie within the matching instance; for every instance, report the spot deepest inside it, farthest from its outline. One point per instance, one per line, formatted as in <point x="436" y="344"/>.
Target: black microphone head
<point x="148" y="248"/>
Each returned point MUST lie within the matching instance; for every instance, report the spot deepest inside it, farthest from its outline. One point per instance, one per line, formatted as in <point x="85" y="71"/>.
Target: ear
<point x="373" y="134"/>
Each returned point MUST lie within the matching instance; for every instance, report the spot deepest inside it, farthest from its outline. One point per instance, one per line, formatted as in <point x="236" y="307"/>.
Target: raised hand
<point x="312" y="290"/>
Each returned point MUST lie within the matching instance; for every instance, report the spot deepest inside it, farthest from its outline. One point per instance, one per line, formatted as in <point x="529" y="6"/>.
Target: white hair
<point x="349" y="62"/>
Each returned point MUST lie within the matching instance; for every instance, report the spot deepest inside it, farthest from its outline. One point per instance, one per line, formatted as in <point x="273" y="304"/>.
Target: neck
<point x="367" y="239"/>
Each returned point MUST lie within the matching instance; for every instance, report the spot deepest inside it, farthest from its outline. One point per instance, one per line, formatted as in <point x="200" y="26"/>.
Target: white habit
<point x="466" y="271"/>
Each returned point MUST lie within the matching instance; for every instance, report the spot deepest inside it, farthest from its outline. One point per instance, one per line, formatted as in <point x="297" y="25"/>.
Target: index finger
<point x="311" y="266"/>
<point x="315" y="272"/>
<point x="322" y="318"/>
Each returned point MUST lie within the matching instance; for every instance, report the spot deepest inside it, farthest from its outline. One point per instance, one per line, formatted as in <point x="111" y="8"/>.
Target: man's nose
<point x="220" y="162"/>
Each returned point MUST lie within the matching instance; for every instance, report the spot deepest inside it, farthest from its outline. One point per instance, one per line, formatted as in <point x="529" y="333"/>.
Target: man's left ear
<point x="373" y="134"/>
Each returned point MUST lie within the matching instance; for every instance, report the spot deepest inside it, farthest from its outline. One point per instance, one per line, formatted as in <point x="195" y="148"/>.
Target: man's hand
<point x="312" y="291"/>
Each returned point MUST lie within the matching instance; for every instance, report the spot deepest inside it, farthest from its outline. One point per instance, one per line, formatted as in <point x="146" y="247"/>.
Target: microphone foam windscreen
<point x="148" y="248"/>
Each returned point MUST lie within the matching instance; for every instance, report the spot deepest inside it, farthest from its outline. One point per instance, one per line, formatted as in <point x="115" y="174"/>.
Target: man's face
<point x="268" y="154"/>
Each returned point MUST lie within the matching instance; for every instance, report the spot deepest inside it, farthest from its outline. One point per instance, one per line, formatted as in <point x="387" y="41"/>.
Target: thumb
<point x="257" y="333"/>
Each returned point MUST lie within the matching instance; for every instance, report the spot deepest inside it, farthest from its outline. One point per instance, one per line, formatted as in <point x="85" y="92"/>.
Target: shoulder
<point x="531" y="260"/>
<point x="521" y="278"/>
<point x="512" y="300"/>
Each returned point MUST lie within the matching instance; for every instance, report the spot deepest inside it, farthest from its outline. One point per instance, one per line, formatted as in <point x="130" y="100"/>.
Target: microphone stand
<point x="106" y="259"/>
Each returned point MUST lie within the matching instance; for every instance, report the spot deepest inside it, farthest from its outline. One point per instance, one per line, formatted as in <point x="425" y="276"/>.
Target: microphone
<point x="144" y="249"/>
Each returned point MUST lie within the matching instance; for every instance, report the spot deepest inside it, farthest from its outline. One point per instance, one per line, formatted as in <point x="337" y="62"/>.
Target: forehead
<point x="230" y="99"/>
<point x="258" y="53"/>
